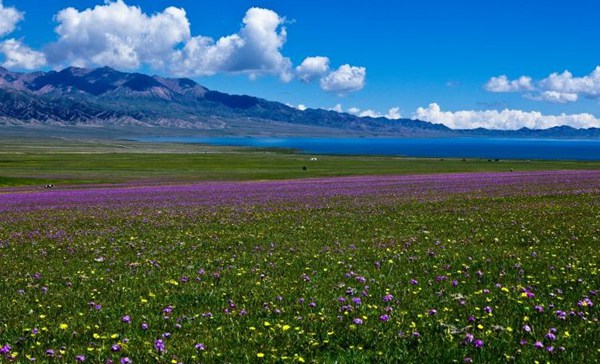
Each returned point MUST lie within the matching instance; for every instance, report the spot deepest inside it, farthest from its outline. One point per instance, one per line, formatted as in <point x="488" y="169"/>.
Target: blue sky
<point x="399" y="54"/>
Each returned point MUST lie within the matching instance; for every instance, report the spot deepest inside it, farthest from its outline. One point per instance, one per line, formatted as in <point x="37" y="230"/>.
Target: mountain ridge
<point x="105" y="97"/>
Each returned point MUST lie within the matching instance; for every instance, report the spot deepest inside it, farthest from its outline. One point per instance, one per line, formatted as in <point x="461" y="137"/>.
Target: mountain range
<point x="107" y="98"/>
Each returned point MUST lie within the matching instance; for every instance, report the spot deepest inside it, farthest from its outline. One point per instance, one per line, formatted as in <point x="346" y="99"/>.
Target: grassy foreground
<point x="463" y="268"/>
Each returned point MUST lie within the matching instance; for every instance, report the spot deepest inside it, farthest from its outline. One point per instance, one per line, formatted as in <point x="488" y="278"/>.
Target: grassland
<point x="84" y="161"/>
<point x="485" y="266"/>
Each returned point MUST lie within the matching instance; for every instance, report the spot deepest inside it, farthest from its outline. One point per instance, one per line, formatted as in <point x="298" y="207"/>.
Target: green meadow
<point x="482" y="267"/>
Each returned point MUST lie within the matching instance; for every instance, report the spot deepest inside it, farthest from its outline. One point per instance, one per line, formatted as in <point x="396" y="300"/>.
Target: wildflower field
<point x="460" y="267"/>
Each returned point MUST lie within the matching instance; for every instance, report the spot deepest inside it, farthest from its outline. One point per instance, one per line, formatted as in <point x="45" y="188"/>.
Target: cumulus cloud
<point x="344" y="80"/>
<point x="557" y="88"/>
<point x="566" y="83"/>
<point x="554" y="96"/>
<point x="117" y="35"/>
<point x="123" y="36"/>
<point x="392" y="114"/>
<point x="255" y="50"/>
<point x="18" y="55"/>
<point x="503" y="84"/>
<point x="312" y="68"/>
<point x="337" y="108"/>
<point x="505" y="119"/>
<point x="9" y="18"/>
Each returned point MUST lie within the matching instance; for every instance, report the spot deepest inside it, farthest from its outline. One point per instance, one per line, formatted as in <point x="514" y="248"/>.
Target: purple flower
<point x="487" y="309"/>
<point x="356" y="300"/>
<point x="539" y="308"/>
<point x="144" y="326"/>
<point x="125" y="360"/>
<point x="414" y="282"/>
<point x="467" y="360"/>
<point x="523" y="342"/>
<point x="357" y="321"/>
<point x="115" y="347"/>
<point x="432" y="312"/>
<point x="526" y="328"/>
<point x="80" y="358"/>
<point x="126" y="319"/>
<point x="478" y="343"/>
<point x="5" y="349"/>
<point x="538" y="345"/>
<point x="550" y="336"/>
<point x="384" y="318"/>
<point x="200" y="347"/>
<point x="550" y="349"/>
<point x="454" y="283"/>
<point x="50" y="352"/>
<point x="159" y="346"/>
<point x="166" y="335"/>
<point x="388" y="298"/>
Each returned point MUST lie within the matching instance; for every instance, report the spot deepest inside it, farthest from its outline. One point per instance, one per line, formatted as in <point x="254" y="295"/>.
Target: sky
<point x="496" y="64"/>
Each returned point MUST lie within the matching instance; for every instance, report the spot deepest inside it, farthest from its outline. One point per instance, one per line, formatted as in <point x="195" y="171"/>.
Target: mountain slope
<point x="108" y="98"/>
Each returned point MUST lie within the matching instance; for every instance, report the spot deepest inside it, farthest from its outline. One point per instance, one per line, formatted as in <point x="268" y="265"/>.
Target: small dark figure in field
<point x="49" y="186"/>
<point x="304" y="168"/>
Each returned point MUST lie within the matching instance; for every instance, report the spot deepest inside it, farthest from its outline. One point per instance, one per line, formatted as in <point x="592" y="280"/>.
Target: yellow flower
<point x="286" y="327"/>
<point x="260" y="355"/>
<point x="63" y="326"/>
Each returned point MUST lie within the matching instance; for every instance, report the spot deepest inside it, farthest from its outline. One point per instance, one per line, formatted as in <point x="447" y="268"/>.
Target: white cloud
<point x="337" y="108"/>
<point x="557" y="88"/>
<point x="312" y="68"/>
<point x="301" y="107"/>
<point x="117" y="35"/>
<point x="505" y="119"/>
<point x="9" y="18"/>
<point x="554" y="96"/>
<point x="503" y="84"/>
<point x="18" y="55"/>
<point x="122" y="36"/>
<point x="255" y="50"/>
<point x="392" y="114"/>
<point x="344" y="80"/>
<point x="565" y="83"/>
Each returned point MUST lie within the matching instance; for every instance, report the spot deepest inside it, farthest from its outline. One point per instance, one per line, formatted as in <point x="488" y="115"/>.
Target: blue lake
<point x="557" y="149"/>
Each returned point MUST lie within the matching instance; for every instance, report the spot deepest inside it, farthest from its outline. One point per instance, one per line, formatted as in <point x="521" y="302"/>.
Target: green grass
<point x="131" y="260"/>
<point x="257" y="268"/>
<point x="89" y="161"/>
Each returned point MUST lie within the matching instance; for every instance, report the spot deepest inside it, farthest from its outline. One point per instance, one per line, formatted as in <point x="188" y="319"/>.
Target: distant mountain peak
<point x="108" y="97"/>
